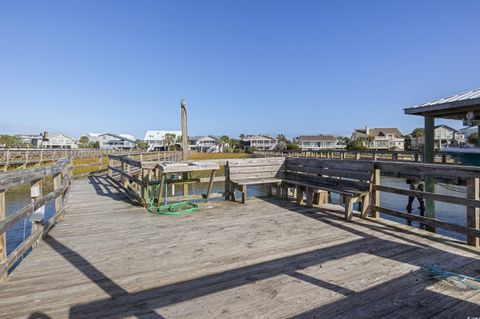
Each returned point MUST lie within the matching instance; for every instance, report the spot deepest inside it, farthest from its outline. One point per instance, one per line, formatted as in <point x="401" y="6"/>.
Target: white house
<point x="317" y="142"/>
<point x="109" y="141"/>
<point x="204" y="144"/>
<point x="389" y="138"/>
<point x="443" y="136"/>
<point x="57" y="140"/>
<point x="156" y="139"/>
<point x="260" y="142"/>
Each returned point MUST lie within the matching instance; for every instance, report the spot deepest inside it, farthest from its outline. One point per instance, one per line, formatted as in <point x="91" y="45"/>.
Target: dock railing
<point x="137" y="173"/>
<point x="134" y="172"/>
<point x="374" y="155"/>
<point x="450" y="174"/>
<point x="61" y="174"/>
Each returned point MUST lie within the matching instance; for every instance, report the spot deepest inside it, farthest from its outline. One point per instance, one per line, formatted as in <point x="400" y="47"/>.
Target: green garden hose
<point x="178" y="208"/>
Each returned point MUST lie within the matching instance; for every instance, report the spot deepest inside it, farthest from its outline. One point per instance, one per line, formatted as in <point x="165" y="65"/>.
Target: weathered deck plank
<point x="268" y="258"/>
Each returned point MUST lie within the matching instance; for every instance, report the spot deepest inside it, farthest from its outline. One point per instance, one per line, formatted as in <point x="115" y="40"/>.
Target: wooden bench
<point x="255" y="171"/>
<point x="350" y="179"/>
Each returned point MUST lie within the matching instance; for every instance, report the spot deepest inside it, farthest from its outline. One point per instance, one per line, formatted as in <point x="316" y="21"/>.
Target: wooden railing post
<point x="7" y="159"/>
<point x="37" y="217"/>
<point x="375" y="194"/>
<point x="473" y="219"/>
<point x="110" y="164"/>
<point x="122" y="177"/>
<point x="57" y="184"/>
<point x="3" y="237"/>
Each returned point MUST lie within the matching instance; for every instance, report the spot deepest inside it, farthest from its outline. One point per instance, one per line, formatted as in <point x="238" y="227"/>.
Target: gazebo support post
<point x="478" y="139"/>
<point x="428" y="157"/>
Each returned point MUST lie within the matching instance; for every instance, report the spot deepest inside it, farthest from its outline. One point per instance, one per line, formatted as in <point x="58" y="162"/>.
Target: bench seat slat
<point x="330" y="188"/>
<point x="250" y="181"/>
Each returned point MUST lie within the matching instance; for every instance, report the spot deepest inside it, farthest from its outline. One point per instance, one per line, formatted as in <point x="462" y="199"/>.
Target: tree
<point x="242" y="136"/>
<point x="282" y="138"/>
<point x="282" y="145"/>
<point x="13" y="141"/>
<point x="473" y="138"/>
<point x="141" y="145"/>
<point x="417" y="133"/>
<point x="169" y="140"/>
<point x="223" y="141"/>
<point x="292" y="146"/>
<point x="356" y="145"/>
<point x="84" y="141"/>
<point x="94" y="144"/>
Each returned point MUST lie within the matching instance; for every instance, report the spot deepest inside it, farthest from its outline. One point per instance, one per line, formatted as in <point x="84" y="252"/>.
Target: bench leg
<point x="227" y="190"/>
<point x="299" y="193"/>
<point x="278" y="191"/>
<point x="284" y="191"/>
<point x="309" y="197"/>
<point x="365" y="205"/>
<point x="349" y="207"/>
<point x="269" y="190"/>
<point x="244" y="194"/>
<point x="316" y="198"/>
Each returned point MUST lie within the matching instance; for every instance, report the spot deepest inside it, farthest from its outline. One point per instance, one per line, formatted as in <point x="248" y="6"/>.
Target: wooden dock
<point x="269" y="258"/>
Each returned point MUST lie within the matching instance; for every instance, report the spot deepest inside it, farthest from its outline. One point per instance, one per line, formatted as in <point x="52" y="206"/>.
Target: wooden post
<point x="122" y="177"/>
<point x="7" y="159"/>
<point x="428" y="154"/>
<point x="3" y="237"/>
<point x="478" y="140"/>
<point x="375" y="193"/>
<point x="473" y="219"/>
<point x="100" y="162"/>
<point x="210" y="185"/>
<point x="35" y="192"/>
<point x="184" y="130"/>
<point x="57" y="183"/>
<point x="109" y="171"/>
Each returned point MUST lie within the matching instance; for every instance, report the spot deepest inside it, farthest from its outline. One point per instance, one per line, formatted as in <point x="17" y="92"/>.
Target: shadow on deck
<point x="356" y="270"/>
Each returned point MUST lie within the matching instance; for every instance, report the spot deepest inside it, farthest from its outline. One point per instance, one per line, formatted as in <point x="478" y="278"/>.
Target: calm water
<point x="444" y="211"/>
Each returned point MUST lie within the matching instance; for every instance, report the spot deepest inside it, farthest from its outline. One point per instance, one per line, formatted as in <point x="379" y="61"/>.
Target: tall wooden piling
<point x="428" y="157"/>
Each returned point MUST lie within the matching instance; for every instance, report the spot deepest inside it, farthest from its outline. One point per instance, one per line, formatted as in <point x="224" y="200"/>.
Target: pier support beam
<point x="428" y="157"/>
<point x="3" y="237"/>
<point x="184" y="130"/>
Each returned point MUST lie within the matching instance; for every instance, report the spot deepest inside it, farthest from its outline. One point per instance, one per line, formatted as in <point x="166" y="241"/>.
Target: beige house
<point x="380" y="138"/>
<point x="317" y="142"/>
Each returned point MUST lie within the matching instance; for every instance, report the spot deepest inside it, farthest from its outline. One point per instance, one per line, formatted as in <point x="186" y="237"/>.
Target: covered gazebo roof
<point x="452" y="107"/>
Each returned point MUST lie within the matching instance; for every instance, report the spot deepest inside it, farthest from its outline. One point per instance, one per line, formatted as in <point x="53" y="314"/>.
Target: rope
<point x="178" y="208"/>
<point x="453" y="278"/>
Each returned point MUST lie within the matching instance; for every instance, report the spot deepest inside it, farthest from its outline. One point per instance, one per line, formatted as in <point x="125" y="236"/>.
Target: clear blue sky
<point x="292" y="67"/>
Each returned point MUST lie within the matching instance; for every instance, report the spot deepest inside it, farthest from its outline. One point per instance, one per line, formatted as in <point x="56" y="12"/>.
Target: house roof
<point x="152" y="135"/>
<point x="378" y="132"/>
<point x="50" y="135"/>
<point x="258" y="136"/>
<point x="121" y="137"/>
<point x="320" y="137"/>
<point x="197" y="137"/>
<point x="455" y="106"/>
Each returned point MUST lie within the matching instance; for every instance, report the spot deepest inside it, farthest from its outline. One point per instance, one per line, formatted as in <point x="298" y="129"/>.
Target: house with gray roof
<point x="388" y="138"/>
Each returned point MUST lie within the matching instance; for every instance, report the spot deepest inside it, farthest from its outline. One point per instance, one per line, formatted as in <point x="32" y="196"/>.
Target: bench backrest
<point x="340" y="173"/>
<point x="255" y="168"/>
